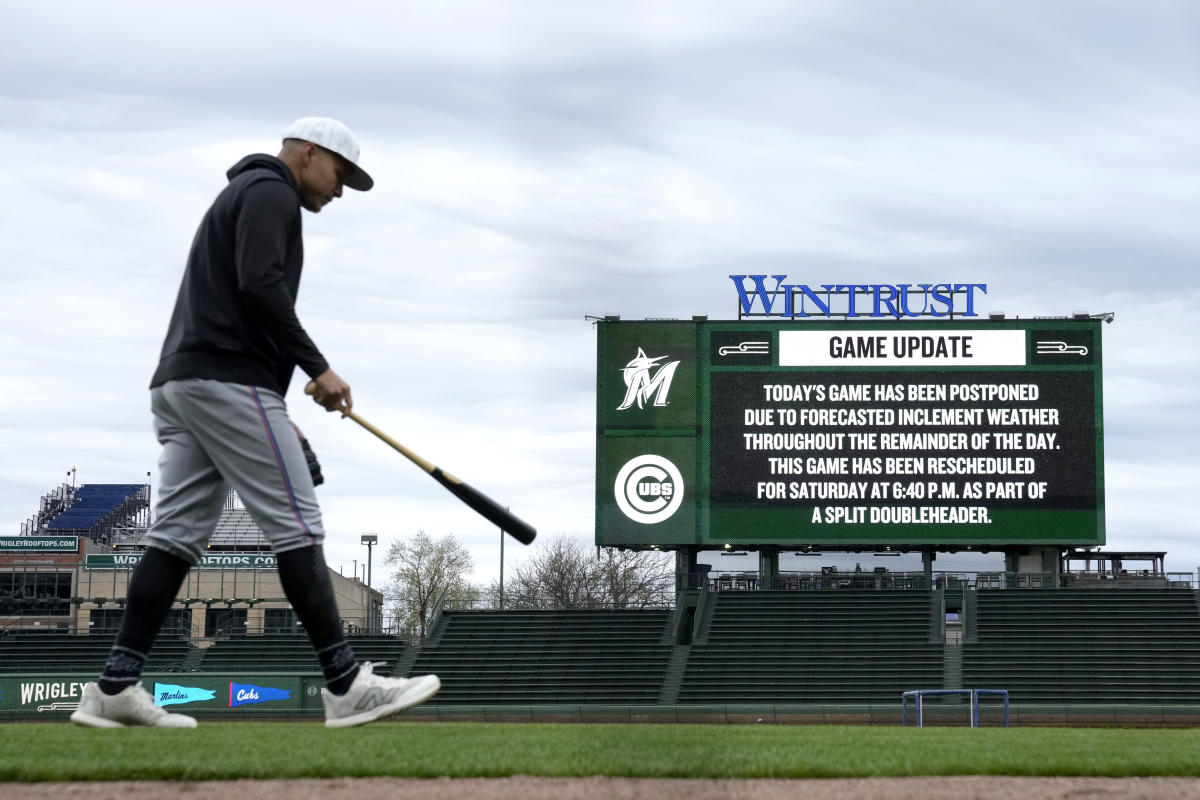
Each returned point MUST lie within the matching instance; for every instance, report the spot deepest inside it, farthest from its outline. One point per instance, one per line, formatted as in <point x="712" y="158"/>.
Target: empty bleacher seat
<point x="93" y="502"/>
<point x="292" y="652"/>
<point x="261" y="653"/>
<point x="1087" y="645"/>
<point x="836" y="646"/>
<point x="236" y="528"/>
<point x="54" y="651"/>
<point x="532" y="657"/>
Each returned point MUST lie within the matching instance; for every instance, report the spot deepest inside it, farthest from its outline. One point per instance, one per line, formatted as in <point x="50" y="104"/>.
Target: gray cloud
<point x="548" y="161"/>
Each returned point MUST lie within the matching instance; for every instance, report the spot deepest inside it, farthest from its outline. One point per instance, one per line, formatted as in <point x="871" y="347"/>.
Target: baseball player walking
<point x="219" y="413"/>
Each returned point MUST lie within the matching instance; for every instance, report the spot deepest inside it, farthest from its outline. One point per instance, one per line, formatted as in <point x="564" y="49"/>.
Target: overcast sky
<point x="536" y="162"/>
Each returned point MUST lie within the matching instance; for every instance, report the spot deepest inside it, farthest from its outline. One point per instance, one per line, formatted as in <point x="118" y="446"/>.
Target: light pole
<point x="370" y="540"/>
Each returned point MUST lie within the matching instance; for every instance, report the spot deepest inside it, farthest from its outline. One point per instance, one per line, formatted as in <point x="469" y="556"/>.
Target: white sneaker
<point x="133" y="705"/>
<point x="373" y="696"/>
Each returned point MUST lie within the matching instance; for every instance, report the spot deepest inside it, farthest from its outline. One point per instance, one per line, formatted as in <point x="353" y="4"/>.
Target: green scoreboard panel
<point x="848" y="434"/>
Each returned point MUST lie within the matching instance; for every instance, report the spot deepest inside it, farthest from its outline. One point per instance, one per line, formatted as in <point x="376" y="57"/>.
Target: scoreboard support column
<point x="686" y="574"/>
<point x="768" y="567"/>
<point x="1040" y="566"/>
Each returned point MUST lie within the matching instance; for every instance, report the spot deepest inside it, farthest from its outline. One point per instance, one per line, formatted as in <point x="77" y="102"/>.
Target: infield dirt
<point x="521" y="787"/>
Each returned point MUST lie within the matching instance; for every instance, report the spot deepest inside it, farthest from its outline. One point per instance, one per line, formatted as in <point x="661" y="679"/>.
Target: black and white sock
<point x="152" y="589"/>
<point x="122" y="670"/>
<point x="305" y="580"/>
<point x="339" y="666"/>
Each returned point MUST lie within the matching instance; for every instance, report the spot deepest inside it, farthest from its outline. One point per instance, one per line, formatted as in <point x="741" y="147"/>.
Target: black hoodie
<point x="235" y="317"/>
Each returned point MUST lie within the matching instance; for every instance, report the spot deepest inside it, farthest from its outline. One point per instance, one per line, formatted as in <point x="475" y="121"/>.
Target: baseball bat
<point x="492" y="511"/>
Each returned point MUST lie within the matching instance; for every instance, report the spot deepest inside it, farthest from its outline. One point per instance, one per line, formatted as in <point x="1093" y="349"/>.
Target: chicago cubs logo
<point x="649" y="489"/>
<point x="642" y="386"/>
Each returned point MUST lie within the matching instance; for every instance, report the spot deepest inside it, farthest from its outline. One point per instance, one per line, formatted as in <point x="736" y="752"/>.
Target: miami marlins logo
<point x="642" y="386"/>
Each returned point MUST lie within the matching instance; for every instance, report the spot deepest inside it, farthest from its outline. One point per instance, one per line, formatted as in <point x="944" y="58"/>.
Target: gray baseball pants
<point x="216" y="435"/>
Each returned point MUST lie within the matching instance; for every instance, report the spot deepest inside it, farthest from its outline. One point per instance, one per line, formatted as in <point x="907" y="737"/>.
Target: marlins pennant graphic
<point x="642" y="385"/>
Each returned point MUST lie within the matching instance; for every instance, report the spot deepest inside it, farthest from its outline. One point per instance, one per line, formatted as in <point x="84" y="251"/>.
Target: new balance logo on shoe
<point x="377" y="697"/>
<point x="373" y="697"/>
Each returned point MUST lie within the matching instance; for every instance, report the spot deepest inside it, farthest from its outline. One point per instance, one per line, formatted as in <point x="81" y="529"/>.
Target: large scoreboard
<point x="849" y="434"/>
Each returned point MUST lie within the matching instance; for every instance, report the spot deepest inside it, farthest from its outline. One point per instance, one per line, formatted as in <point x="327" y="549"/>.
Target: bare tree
<point x="555" y="576"/>
<point x="634" y="578"/>
<point x="428" y="574"/>
<point x="565" y="573"/>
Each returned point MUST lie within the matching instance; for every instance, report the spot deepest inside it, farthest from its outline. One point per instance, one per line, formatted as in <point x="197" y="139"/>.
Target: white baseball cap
<point x="332" y="135"/>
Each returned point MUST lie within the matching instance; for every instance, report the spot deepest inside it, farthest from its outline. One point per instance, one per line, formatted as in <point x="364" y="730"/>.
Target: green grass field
<point x="229" y="750"/>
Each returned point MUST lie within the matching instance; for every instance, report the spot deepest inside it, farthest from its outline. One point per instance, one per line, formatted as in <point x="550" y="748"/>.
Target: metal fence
<point x="886" y="579"/>
<point x="663" y="596"/>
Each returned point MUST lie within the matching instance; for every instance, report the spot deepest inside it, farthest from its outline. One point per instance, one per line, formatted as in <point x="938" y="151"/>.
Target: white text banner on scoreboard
<point x="902" y="348"/>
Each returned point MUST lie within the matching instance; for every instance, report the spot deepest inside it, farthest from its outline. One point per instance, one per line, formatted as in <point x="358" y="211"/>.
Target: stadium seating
<point x="236" y="530"/>
<point x="292" y="652"/>
<point x="548" y="657"/>
<point x="52" y="651"/>
<point x="287" y="652"/>
<point x="93" y="503"/>
<point x="1086" y="646"/>
<point x="836" y="646"/>
<point x="822" y="646"/>
<point x="385" y="651"/>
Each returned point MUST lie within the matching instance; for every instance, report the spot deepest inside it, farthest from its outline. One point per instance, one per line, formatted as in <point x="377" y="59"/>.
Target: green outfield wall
<point x="232" y="696"/>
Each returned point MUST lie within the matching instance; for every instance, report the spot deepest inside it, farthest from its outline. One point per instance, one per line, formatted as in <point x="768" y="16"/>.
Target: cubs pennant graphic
<point x="241" y="694"/>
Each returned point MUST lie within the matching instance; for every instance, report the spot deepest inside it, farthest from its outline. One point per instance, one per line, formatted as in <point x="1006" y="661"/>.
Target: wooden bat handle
<point x="404" y="451"/>
<point x="311" y="389"/>
<point x="484" y="505"/>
